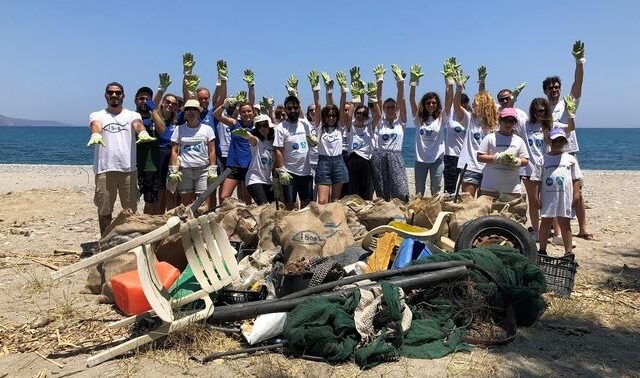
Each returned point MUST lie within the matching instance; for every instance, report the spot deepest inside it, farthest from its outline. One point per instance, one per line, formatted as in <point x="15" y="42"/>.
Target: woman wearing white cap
<point x="503" y="153"/>
<point x="258" y="176"/>
<point x="194" y="142"/>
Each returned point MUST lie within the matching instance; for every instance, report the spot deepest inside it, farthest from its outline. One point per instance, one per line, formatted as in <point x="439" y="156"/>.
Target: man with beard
<point x="147" y="153"/>
<point x="113" y="132"/>
<point x="291" y="155"/>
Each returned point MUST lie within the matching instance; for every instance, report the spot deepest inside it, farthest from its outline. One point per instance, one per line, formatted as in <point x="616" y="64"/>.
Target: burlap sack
<point x="352" y="205"/>
<point x="240" y="223"/>
<point x="425" y="210"/>
<point x="336" y="229"/>
<point x="125" y="227"/>
<point x="513" y="206"/>
<point x="380" y="212"/>
<point x="468" y="208"/>
<point x="268" y="216"/>
<point x="300" y="234"/>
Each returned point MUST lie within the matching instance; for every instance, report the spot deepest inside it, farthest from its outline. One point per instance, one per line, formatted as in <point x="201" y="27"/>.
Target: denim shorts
<point x="471" y="177"/>
<point x="331" y="170"/>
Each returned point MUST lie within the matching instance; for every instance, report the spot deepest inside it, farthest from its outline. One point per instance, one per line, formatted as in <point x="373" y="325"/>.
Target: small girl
<point x="558" y="184"/>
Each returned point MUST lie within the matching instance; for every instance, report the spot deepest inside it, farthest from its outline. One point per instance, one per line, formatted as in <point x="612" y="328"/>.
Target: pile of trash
<point x="317" y="278"/>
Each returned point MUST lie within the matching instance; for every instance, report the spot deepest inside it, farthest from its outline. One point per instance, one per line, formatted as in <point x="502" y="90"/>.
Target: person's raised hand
<point x="188" y="63"/>
<point x="416" y="73"/>
<point x="398" y="72"/>
<point x="482" y="74"/>
<point x="378" y="72"/>
<point x="578" y="51"/>
<point x="223" y="72"/>
<point x="341" y="78"/>
<point x="249" y="77"/>
<point x="517" y="90"/>
<point x="314" y="80"/>
<point x="292" y="85"/>
<point x="165" y="81"/>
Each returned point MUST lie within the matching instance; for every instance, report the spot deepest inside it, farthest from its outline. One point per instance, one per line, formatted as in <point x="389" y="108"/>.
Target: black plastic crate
<point x="559" y="274"/>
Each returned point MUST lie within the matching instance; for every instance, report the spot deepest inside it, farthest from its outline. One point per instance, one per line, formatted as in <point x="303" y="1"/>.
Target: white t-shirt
<point x="259" y="171"/>
<point x="360" y="140"/>
<point x="560" y="115"/>
<point x="534" y="139"/>
<point x="430" y="138"/>
<point x="389" y="136"/>
<point x="498" y="177"/>
<point x="330" y="141"/>
<point x="454" y="137"/>
<point x="192" y="144"/>
<point x="313" y="151"/>
<point x="292" y="137"/>
<point x="224" y="135"/>
<point x="118" y="135"/>
<point x="556" y="177"/>
<point x="472" y="139"/>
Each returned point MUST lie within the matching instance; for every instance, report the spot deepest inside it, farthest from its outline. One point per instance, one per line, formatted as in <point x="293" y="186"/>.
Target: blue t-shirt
<point x="164" y="139"/>
<point x="239" y="149"/>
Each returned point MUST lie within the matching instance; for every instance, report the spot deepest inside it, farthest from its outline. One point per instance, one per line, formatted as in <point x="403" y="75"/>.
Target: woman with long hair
<point x="430" y="120"/>
<point x="480" y="122"/>
<point x="360" y="133"/>
<point x="168" y="113"/>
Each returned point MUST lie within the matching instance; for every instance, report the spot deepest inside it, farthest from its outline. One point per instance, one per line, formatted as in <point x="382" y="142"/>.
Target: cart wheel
<point x="495" y="229"/>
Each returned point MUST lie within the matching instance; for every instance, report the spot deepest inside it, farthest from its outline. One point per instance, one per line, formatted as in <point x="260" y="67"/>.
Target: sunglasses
<point x="293" y="107"/>
<point x="554" y="86"/>
<point x="504" y="99"/>
<point x="117" y="93"/>
<point x="332" y="115"/>
<point x="364" y="113"/>
<point x="174" y="103"/>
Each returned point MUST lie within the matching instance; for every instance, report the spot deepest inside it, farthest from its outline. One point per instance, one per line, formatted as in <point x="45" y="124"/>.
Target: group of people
<point x="170" y="152"/>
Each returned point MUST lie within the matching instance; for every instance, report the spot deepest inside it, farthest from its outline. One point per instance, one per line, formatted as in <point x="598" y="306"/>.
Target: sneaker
<point x="557" y="240"/>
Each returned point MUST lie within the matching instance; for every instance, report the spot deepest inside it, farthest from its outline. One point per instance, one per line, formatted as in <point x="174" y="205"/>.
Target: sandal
<point x="587" y="236"/>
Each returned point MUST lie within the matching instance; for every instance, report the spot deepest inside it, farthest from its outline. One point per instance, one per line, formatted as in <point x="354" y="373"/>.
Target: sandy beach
<point x="49" y="208"/>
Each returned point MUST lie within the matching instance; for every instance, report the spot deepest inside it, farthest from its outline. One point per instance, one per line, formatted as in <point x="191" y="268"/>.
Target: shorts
<point x="194" y="180"/>
<point x="110" y="184"/>
<point x="471" y="177"/>
<point x="331" y="170"/>
<point x="238" y="173"/>
<point x="261" y="193"/>
<point x="300" y="186"/>
<point x="148" y="185"/>
<point x="222" y="164"/>
<point x="164" y="155"/>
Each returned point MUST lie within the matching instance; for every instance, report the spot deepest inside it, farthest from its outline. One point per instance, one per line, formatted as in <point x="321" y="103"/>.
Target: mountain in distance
<point x="8" y="121"/>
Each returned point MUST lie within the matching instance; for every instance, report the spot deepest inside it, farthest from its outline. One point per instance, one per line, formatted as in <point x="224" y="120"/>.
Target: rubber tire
<point x="498" y="225"/>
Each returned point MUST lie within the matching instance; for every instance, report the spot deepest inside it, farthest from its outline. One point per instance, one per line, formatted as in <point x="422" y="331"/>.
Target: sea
<point x="601" y="149"/>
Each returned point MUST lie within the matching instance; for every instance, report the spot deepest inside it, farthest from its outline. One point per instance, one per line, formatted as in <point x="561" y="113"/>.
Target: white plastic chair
<point x="211" y="258"/>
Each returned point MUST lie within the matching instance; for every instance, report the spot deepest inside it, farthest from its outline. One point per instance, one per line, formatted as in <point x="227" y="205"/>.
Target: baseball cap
<point x="192" y="104"/>
<point x="557" y="133"/>
<point x="508" y="112"/>
<point x="146" y="90"/>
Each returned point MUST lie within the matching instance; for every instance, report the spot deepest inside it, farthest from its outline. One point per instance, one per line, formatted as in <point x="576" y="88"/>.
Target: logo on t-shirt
<point x="549" y="181"/>
<point x="115" y="127"/>
<point x="295" y="146"/>
<point x="458" y="129"/>
<point x="560" y="181"/>
<point x="477" y="136"/>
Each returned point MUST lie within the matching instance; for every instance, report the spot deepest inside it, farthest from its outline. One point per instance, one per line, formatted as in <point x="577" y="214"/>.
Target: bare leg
<point x="470" y="188"/>
<point x="187" y="198"/>
<point x="323" y="193"/>
<point x="581" y="215"/>
<point x="336" y="190"/>
<point x="228" y="186"/>
<point x="565" y="227"/>
<point x="534" y="214"/>
<point x="545" y="227"/>
<point x="243" y="193"/>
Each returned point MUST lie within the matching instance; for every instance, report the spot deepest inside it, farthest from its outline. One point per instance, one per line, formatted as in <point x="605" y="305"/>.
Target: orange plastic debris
<point x="127" y="289"/>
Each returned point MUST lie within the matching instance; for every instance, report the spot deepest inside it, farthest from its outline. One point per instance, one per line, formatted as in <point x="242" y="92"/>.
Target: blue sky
<point x="58" y="55"/>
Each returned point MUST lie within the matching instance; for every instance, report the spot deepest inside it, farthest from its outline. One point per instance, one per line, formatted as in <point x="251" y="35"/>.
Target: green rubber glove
<point x="192" y="81"/>
<point x="482" y="74"/>
<point x="372" y="91"/>
<point x="266" y="103"/>
<point x="292" y="85"/>
<point x="341" y="78"/>
<point x="144" y="137"/>
<point x="355" y="73"/>
<point x="448" y="72"/>
<point x="229" y="102"/>
<point x="378" y="72"/>
<point x="398" y="72"/>
<point x="516" y="91"/>
<point x="284" y="177"/>
<point x="314" y="80"/>
<point x="578" y="51"/>
<point x="165" y="81"/>
<point x="241" y="132"/>
<point x="188" y="63"/>
<point x="241" y="97"/>
<point x="221" y="67"/>
<point x="312" y="140"/>
<point x="460" y="78"/>
<point x="416" y="73"/>
<point x="249" y="78"/>
<point x="96" y="138"/>
<point x="328" y="81"/>
<point x="570" y="105"/>
<point x="357" y="89"/>
<point x="212" y="173"/>
<point x="175" y="175"/>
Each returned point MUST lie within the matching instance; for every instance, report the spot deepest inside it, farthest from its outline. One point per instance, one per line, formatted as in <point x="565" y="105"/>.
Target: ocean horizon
<point x="600" y="148"/>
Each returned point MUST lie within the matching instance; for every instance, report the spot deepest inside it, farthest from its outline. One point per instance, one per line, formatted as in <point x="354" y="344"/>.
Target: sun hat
<point x="262" y="118"/>
<point x="508" y="112"/>
<point x="192" y="104"/>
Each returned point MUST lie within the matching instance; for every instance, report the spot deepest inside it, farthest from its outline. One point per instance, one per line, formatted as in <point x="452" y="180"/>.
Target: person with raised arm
<point x="389" y="172"/>
<point x="430" y="120"/>
<point x="113" y="136"/>
<point x="168" y="113"/>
